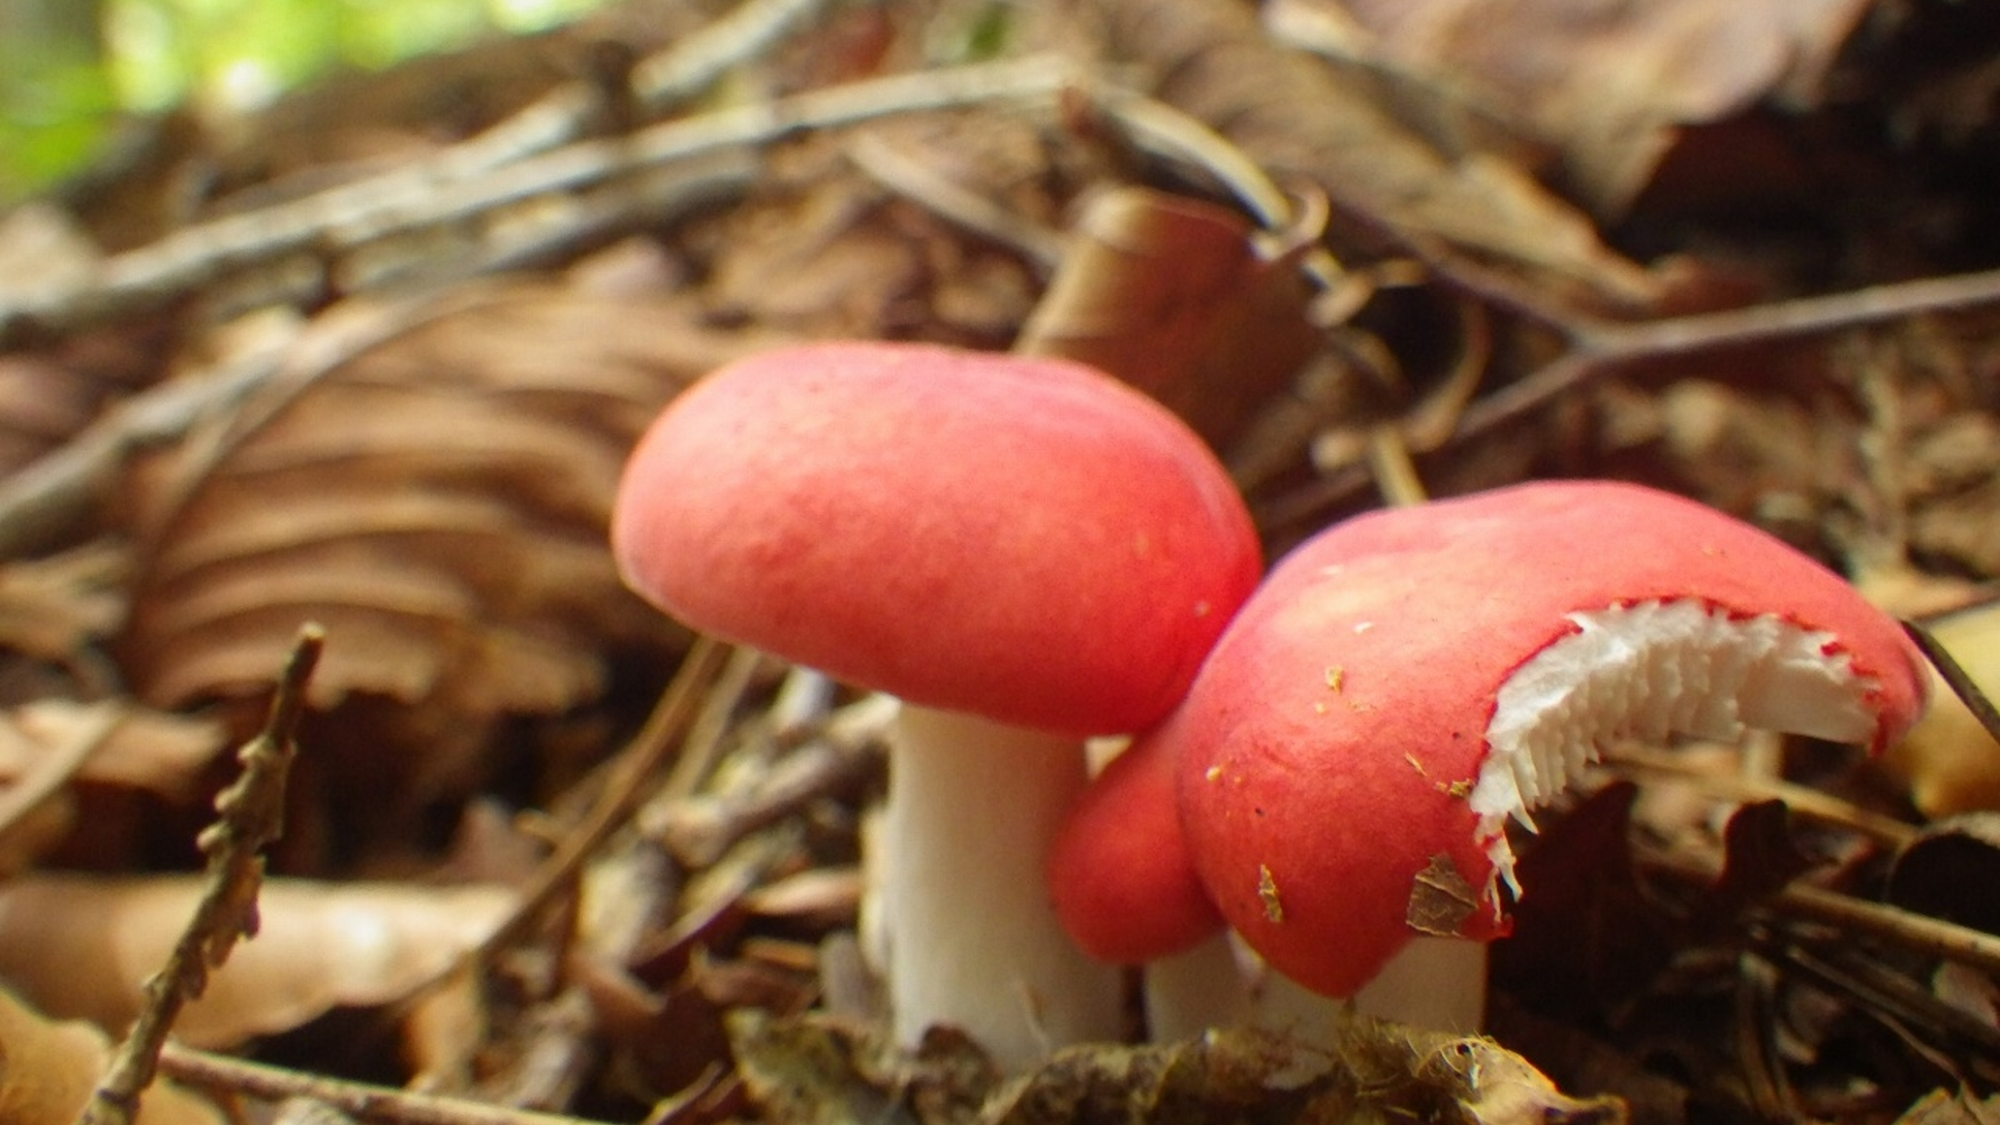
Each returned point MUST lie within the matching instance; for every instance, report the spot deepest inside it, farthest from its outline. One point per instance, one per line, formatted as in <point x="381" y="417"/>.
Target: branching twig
<point x="699" y="829"/>
<point x="341" y="219"/>
<point x="1599" y="348"/>
<point x="251" y="816"/>
<point x="42" y="502"/>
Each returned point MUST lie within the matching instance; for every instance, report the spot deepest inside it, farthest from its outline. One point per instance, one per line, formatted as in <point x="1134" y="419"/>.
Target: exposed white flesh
<point x="1652" y="671"/>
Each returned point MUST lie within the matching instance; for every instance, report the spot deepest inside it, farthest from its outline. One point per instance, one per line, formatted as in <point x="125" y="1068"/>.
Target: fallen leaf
<point x="156" y="751"/>
<point x="82" y="948"/>
<point x="1587" y="937"/>
<point x="437" y="498"/>
<point x="1759" y="857"/>
<point x="1302" y="121"/>
<point x="48" y="1069"/>
<point x="814" y="1069"/>
<point x="56" y="608"/>
<point x="1952" y="1107"/>
<point x="825" y="251"/>
<point x="1168" y="294"/>
<point x="1611" y="83"/>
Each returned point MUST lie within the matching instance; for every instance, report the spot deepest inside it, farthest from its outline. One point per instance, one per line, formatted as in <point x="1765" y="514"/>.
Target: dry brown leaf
<point x="41" y="404"/>
<point x="1168" y="294"/>
<point x="1952" y="1107"/>
<point x="156" y="751"/>
<point x="82" y="948"/>
<point x="823" y="250"/>
<point x="140" y="748"/>
<point x="816" y="1070"/>
<point x="438" y="502"/>
<point x="1305" y="122"/>
<point x="1610" y="83"/>
<point x="48" y="1069"/>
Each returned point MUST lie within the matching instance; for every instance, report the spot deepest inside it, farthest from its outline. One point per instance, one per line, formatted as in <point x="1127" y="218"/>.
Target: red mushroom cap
<point x="1338" y="733"/>
<point x="1025" y="539"/>
<point x="1119" y="872"/>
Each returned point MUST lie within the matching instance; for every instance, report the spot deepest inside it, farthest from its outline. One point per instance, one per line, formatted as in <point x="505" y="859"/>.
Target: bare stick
<point x="356" y="1099"/>
<point x="251" y="817"/>
<point x="1956" y="677"/>
<point x="41" y="502"/>
<point x="624" y="791"/>
<point x="1919" y="933"/>
<point x="53" y="769"/>
<point x="1602" y="347"/>
<point x="343" y="218"/>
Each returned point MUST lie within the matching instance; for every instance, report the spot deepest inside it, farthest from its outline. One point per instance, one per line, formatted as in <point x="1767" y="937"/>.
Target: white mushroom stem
<point x="1198" y="989"/>
<point x="1435" y="983"/>
<point x="971" y="937"/>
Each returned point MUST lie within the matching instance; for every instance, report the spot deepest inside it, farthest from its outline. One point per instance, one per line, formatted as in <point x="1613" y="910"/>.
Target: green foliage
<point x="53" y="106"/>
<point x="57" y="99"/>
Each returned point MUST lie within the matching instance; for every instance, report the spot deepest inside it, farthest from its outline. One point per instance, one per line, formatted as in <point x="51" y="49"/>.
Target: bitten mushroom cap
<point x="1119" y="873"/>
<point x="1339" y="783"/>
<point x="1024" y="539"/>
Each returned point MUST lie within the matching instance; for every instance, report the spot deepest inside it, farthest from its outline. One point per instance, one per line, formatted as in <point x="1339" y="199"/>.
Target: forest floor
<point x="311" y="421"/>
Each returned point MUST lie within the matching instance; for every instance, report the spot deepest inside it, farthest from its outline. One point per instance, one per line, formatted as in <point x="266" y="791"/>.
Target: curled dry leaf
<point x="1305" y="122"/>
<point x="82" y="948"/>
<point x="1168" y="294"/>
<point x="437" y="498"/>
<point x="48" y="1069"/>
<point x="1609" y="83"/>
<point x="1933" y="870"/>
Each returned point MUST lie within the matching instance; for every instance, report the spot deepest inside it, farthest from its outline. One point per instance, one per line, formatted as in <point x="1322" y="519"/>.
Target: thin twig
<point x="1802" y="799"/>
<point x="624" y="791"/>
<point x="916" y="181"/>
<point x="251" y="816"/>
<point x="706" y="737"/>
<point x="53" y="769"/>
<point x="42" y="501"/>
<point x="1919" y="933"/>
<point x="356" y="1099"/>
<point x="658" y="83"/>
<point x="699" y="829"/>
<point x="341" y="219"/>
<point x="1956" y="677"/>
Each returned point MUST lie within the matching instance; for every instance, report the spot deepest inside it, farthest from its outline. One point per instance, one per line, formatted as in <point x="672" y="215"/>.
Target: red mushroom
<point x="1023" y="550"/>
<point x="1409" y="681"/>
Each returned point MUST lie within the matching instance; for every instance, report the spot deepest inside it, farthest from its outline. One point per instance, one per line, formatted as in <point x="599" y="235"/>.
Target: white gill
<point x="1652" y="671"/>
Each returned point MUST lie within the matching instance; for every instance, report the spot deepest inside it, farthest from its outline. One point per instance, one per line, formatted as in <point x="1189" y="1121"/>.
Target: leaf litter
<point x="379" y="365"/>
